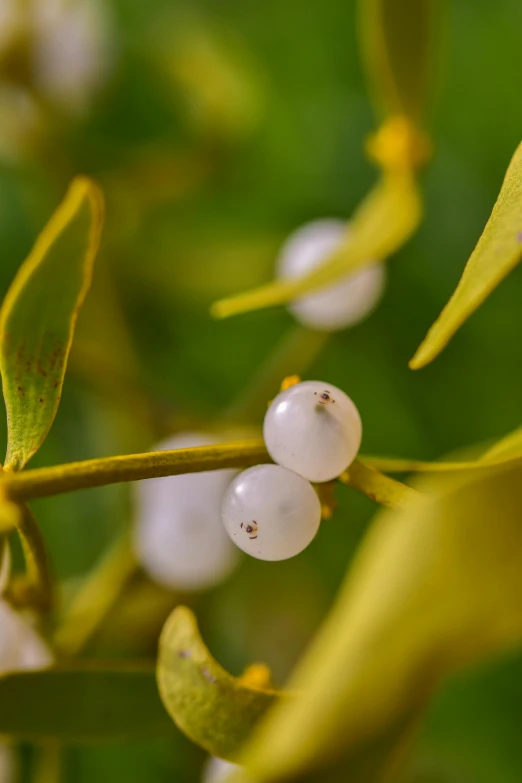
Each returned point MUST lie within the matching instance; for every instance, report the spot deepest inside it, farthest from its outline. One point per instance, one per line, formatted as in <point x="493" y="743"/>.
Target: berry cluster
<point x="272" y="512"/>
<point x="313" y="432"/>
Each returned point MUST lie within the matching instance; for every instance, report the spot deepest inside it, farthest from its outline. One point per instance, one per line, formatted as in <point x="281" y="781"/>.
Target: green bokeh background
<point x="166" y="257"/>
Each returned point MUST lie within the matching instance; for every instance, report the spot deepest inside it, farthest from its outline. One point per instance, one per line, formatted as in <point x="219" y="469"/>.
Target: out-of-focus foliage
<point x="83" y="704"/>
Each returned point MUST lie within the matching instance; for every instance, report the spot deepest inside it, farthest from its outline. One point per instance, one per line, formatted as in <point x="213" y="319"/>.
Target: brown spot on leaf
<point x="207" y="675"/>
<point x="184" y="654"/>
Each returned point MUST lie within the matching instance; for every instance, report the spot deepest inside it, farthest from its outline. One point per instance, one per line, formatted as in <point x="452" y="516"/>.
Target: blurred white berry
<point x="67" y="42"/>
<point x="314" y="429"/>
<point x="342" y="304"/>
<point x="270" y="512"/>
<point x="217" y="770"/>
<point x="20" y="645"/>
<point x="179" y="539"/>
<point x="71" y="48"/>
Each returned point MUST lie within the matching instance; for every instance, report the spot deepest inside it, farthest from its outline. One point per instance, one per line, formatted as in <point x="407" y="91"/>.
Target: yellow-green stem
<point x="43" y="482"/>
<point x="59" y="479"/>
<point x="377" y="486"/>
<point x="37" y="586"/>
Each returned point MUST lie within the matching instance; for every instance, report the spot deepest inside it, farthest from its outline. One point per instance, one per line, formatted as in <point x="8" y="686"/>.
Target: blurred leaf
<point x="397" y="47"/>
<point x="436" y="587"/>
<point x="498" y="250"/>
<point x="93" y="601"/>
<point x="384" y="221"/>
<point x="83" y="703"/>
<point x="39" y="314"/>
<point x="509" y="447"/>
<point x="210" y="706"/>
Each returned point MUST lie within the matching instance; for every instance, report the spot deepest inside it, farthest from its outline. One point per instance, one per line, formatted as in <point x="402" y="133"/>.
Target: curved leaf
<point x="216" y="710"/>
<point x="397" y="44"/>
<point x="84" y="703"/>
<point x="39" y="314"/>
<point x="384" y="221"/>
<point x="498" y="250"/>
<point x="436" y="587"/>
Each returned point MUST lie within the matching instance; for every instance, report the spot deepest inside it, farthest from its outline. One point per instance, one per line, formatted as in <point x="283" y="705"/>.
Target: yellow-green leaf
<point x="213" y="708"/>
<point x="83" y="703"/>
<point x="498" y="251"/>
<point x="436" y="587"/>
<point x="384" y="221"/>
<point x="397" y="46"/>
<point x="39" y="314"/>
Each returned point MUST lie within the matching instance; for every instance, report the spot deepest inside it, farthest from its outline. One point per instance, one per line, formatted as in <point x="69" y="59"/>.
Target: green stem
<point x="377" y="486"/>
<point x="56" y="480"/>
<point x="37" y="586"/>
<point x="43" y="482"/>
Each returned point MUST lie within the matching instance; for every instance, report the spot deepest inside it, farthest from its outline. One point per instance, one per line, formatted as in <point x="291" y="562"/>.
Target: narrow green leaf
<point x="436" y="587"/>
<point x="83" y="703"/>
<point x="39" y="314"/>
<point x="397" y="47"/>
<point x="384" y="221"/>
<point x="213" y="708"/>
<point x="498" y="251"/>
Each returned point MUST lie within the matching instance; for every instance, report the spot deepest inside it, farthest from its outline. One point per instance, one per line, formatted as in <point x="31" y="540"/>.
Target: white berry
<point x="314" y="429"/>
<point x="21" y="647"/>
<point x="179" y="539"/>
<point x="270" y="512"/>
<point x="342" y="304"/>
<point x="218" y="771"/>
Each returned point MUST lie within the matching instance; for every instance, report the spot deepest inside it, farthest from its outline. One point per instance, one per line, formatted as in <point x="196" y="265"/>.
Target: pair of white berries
<point x="272" y="512"/>
<point x="313" y="432"/>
